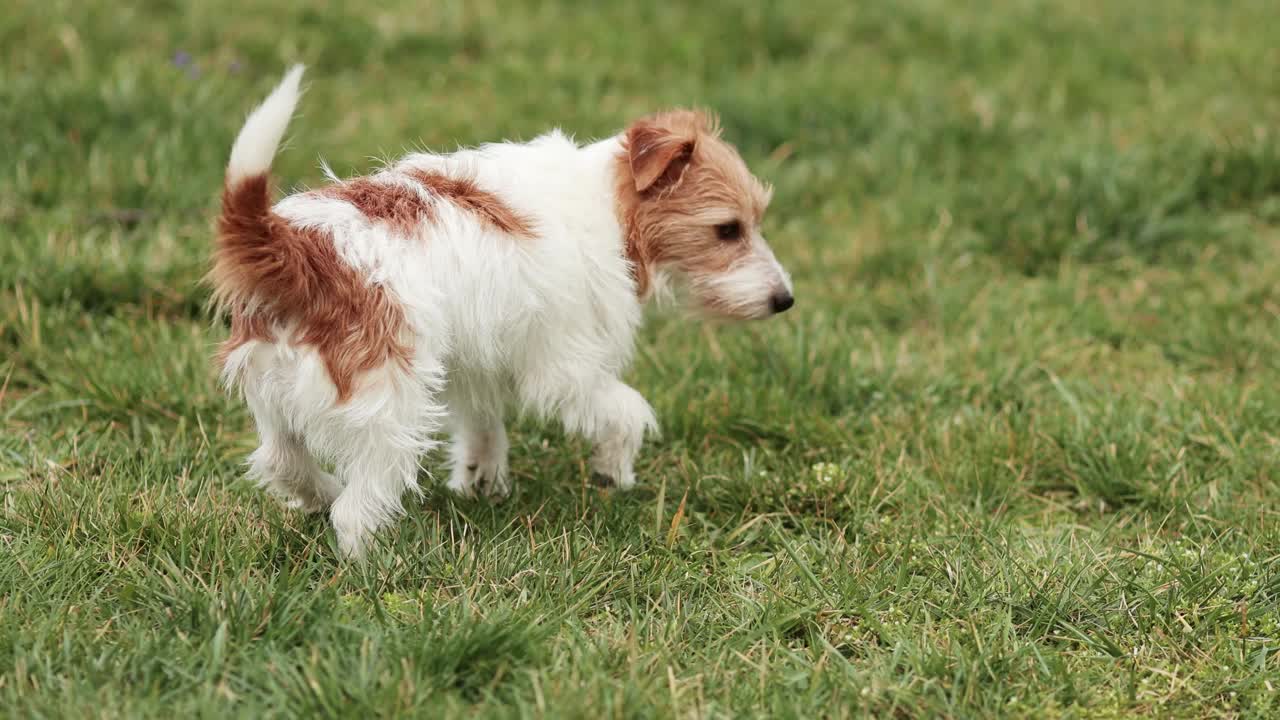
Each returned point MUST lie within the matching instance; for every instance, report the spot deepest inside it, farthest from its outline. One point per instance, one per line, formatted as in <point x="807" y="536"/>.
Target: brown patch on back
<point x="672" y="167"/>
<point x="391" y="203"/>
<point x="404" y="209"/>
<point x="268" y="273"/>
<point x="466" y="194"/>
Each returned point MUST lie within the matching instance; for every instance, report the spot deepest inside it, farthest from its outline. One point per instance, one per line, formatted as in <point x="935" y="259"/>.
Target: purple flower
<point x="182" y="58"/>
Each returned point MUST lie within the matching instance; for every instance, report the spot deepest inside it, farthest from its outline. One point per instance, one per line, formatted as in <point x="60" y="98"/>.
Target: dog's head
<point x="692" y="209"/>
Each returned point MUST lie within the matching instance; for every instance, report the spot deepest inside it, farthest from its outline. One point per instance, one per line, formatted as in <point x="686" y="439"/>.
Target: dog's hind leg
<point x="282" y="465"/>
<point x="382" y="433"/>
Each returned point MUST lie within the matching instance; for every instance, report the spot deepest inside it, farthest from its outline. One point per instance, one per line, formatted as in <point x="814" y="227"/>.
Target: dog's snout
<point x="782" y="302"/>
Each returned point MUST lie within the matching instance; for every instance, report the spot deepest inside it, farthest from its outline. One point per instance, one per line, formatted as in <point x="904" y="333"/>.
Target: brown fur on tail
<point x="268" y="274"/>
<point x="257" y="258"/>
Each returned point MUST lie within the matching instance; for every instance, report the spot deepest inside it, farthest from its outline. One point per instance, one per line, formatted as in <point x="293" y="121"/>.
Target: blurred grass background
<point x="1013" y="453"/>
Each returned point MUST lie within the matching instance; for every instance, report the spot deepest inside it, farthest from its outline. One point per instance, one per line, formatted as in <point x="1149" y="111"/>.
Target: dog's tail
<point x="256" y="144"/>
<point x="246" y="256"/>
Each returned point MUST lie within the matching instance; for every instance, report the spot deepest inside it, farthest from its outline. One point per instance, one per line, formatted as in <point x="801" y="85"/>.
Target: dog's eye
<point x="729" y="230"/>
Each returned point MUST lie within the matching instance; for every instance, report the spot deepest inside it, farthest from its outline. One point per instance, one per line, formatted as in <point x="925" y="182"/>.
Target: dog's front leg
<point x="615" y="417"/>
<point x="479" y="449"/>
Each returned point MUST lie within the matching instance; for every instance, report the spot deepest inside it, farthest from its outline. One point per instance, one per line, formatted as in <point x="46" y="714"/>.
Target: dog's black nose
<point x="781" y="302"/>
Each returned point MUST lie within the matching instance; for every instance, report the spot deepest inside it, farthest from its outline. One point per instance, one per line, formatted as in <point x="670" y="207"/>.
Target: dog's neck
<point x="611" y="171"/>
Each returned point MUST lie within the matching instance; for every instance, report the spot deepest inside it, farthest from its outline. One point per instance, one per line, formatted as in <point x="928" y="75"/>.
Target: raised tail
<point x="245" y="258"/>
<point x="256" y="144"/>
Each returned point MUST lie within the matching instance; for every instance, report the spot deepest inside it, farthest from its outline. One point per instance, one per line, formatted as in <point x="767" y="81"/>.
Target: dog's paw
<point x="352" y="526"/>
<point x="309" y="507"/>
<point x="610" y="481"/>
<point x="316" y="497"/>
<point x="485" y="479"/>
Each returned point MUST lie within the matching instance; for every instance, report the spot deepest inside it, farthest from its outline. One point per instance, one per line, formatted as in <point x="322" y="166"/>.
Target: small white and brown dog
<point x="371" y="312"/>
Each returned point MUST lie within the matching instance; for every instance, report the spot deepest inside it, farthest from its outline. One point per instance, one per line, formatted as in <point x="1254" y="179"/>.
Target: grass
<point x="1015" y="453"/>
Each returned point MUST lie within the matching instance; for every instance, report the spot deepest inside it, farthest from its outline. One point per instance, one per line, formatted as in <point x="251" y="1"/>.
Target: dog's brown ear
<point x="659" y="153"/>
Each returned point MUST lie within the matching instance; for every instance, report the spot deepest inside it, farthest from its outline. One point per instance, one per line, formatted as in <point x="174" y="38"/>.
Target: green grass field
<point x="1015" y="452"/>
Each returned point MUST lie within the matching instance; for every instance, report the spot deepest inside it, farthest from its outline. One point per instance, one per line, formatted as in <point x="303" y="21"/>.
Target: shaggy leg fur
<point x="615" y="417"/>
<point x="479" y="455"/>
<point x="479" y="450"/>
<point x="377" y="444"/>
<point x="282" y="465"/>
<point x="377" y="474"/>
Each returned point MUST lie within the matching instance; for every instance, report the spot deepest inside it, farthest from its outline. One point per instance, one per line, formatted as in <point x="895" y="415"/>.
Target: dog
<point x="372" y="312"/>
